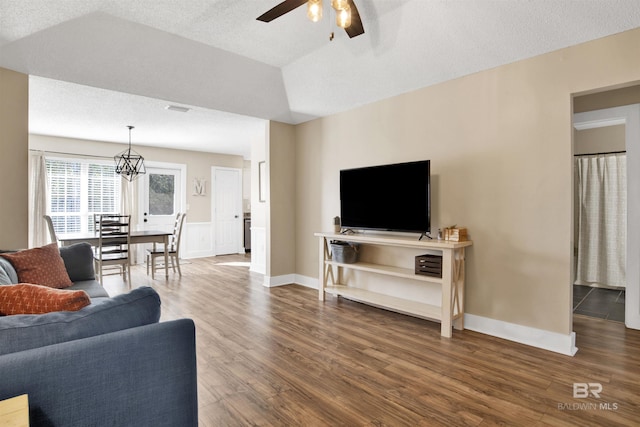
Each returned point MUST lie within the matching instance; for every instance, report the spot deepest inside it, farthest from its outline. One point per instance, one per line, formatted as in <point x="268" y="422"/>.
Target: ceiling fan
<point x="347" y="15"/>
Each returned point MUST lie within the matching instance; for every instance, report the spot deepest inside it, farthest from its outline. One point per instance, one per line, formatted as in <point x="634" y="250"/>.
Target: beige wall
<point x="500" y="142"/>
<point x="14" y="173"/>
<point x="599" y="140"/>
<point x="281" y="250"/>
<point x="198" y="164"/>
<point x="608" y="99"/>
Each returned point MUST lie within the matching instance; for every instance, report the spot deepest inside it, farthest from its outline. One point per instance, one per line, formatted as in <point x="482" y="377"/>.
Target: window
<point x="79" y="188"/>
<point x="161" y="194"/>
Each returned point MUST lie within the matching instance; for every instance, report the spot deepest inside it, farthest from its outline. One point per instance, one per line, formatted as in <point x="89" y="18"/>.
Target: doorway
<point x="161" y="195"/>
<point x="226" y="210"/>
<point x="622" y="303"/>
<point x="161" y="198"/>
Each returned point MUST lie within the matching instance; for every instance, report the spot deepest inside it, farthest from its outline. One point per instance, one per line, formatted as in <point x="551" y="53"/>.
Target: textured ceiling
<point x="99" y="65"/>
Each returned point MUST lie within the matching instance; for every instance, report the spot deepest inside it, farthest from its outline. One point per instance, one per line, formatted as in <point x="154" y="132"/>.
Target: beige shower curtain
<point x="602" y="219"/>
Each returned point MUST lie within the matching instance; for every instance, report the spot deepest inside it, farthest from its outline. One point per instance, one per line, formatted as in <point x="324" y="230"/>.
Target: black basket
<point x="429" y="265"/>
<point x="344" y="252"/>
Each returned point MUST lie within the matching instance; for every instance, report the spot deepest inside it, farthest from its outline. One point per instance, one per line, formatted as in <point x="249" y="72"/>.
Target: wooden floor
<point x="279" y="357"/>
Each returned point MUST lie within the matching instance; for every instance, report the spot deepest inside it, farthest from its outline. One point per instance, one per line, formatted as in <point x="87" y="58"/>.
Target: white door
<point x="227" y="210"/>
<point x="161" y="198"/>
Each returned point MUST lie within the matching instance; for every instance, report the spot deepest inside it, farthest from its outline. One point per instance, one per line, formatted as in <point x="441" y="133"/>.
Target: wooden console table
<point x="451" y="311"/>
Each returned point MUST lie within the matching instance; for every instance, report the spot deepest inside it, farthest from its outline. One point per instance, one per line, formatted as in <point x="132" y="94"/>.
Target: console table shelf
<point x="389" y="270"/>
<point x="450" y="313"/>
<point x="401" y="305"/>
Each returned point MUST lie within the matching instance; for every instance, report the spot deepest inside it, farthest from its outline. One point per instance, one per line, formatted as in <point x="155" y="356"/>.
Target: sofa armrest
<point x="144" y="376"/>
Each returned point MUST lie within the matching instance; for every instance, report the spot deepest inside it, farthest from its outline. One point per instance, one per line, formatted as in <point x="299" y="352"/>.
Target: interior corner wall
<point x="281" y="212"/>
<point x="14" y="161"/>
<point x="500" y="145"/>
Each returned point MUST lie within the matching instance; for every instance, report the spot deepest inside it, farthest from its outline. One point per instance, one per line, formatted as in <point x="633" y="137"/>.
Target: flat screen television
<point x="394" y="197"/>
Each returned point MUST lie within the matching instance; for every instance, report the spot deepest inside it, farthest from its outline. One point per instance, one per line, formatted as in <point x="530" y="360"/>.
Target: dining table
<point x="135" y="237"/>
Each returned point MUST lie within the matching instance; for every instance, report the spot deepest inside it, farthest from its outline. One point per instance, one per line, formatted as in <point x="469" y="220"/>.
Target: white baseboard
<point x="306" y="281"/>
<point x="273" y="281"/>
<point x="552" y="341"/>
<point x="546" y="340"/>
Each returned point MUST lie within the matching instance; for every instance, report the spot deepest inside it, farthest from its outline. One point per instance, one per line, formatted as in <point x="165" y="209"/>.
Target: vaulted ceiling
<point x="99" y="65"/>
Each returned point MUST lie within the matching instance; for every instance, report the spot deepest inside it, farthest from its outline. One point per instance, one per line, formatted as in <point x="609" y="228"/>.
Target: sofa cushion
<point x="41" y="266"/>
<point x="139" y="307"/>
<point x="78" y="260"/>
<point x="25" y="298"/>
<point x="92" y="287"/>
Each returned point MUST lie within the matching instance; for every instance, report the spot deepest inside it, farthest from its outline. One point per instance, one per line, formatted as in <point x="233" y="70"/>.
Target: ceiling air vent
<point x="177" y="108"/>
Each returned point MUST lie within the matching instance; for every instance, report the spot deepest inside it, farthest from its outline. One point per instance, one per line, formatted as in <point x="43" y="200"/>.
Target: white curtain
<point x="602" y="219"/>
<point x="129" y="206"/>
<point x="38" y="231"/>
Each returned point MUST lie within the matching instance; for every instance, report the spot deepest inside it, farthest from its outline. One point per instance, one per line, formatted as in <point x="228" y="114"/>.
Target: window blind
<point x="79" y="188"/>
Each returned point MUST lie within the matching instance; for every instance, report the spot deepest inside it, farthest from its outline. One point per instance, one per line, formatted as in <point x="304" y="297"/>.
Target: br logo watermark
<point x="585" y="391"/>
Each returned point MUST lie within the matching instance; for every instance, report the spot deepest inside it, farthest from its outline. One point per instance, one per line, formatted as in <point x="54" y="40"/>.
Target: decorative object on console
<point x="40" y="266"/>
<point x="429" y="265"/>
<point x="129" y="164"/>
<point x="344" y="252"/>
<point x="336" y="224"/>
<point x="26" y="298"/>
<point x="455" y="234"/>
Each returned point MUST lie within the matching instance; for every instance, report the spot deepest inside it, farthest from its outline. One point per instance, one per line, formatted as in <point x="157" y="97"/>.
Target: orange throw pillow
<point x="42" y="266"/>
<point x="25" y="298"/>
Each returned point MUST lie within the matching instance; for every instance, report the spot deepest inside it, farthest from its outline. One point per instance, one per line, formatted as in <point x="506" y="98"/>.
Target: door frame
<point x="629" y="116"/>
<point x="239" y="243"/>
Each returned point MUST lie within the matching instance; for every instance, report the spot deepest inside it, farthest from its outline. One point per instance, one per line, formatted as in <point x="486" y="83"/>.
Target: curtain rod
<point x="71" y="154"/>
<point x="596" y="154"/>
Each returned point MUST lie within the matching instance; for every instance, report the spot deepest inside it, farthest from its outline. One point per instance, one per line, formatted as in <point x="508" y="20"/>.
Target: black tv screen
<point x="392" y="197"/>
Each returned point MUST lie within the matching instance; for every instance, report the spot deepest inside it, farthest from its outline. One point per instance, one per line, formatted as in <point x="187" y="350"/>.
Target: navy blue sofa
<point x="111" y="363"/>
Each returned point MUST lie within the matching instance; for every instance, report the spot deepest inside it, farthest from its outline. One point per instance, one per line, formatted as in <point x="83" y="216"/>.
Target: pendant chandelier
<point x="129" y="164"/>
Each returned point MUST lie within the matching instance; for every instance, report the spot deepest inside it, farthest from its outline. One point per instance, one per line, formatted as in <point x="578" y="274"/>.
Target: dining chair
<point x="173" y="249"/>
<point x="52" y="230"/>
<point x="114" y="245"/>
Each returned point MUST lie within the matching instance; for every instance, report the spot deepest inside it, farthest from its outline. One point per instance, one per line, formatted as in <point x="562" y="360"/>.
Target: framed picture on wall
<point x="262" y="182"/>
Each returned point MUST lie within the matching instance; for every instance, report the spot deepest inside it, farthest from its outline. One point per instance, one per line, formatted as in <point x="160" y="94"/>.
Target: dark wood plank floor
<point x="279" y="357"/>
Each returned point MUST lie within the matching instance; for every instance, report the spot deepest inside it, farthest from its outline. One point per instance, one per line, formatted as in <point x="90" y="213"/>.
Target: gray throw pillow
<point x="4" y="278"/>
<point x="78" y="260"/>
<point x="8" y="275"/>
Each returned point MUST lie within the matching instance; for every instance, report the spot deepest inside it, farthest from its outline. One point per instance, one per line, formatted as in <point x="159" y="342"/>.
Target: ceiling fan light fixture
<point x="343" y="17"/>
<point x="314" y="10"/>
<point x="339" y="4"/>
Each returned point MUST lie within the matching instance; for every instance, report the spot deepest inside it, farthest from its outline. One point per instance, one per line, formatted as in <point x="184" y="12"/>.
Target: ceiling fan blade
<point x="285" y="7"/>
<point x="356" y="28"/>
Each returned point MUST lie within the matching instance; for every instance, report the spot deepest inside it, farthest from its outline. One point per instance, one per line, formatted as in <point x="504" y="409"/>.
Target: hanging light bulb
<point x="343" y="17"/>
<point x="339" y="4"/>
<point x="314" y="10"/>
